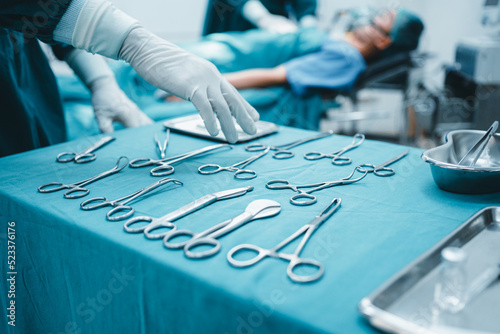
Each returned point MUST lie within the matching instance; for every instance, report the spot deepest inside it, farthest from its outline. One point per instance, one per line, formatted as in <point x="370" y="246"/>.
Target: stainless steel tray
<point x="405" y="303"/>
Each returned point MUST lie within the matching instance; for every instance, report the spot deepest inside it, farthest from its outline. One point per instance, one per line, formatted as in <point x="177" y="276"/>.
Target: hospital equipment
<point x="451" y="285"/>
<point x="336" y="156"/>
<point x="304" y="197"/>
<point x="77" y="187"/>
<point x="382" y="169"/>
<point x="119" y="204"/>
<point x="482" y="178"/>
<point x="294" y="260"/>
<point x="86" y="155"/>
<point x="162" y="147"/>
<point x="261" y="208"/>
<point x="283" y="151"/>
<point x="154" y="224"/>
<point x="164" y="166"/>
<point x="237" y="168"/>
<point x="475" y="152"/>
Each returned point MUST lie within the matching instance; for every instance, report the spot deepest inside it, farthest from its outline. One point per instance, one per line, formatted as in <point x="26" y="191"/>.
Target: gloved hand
<point x="308" y="21"/>
<point x="102" y="28"/>
<point x="255" y="12"/>
<point x="189" y="77"/>
<point x="109" y="102"/>
<point x="112" y="105"/>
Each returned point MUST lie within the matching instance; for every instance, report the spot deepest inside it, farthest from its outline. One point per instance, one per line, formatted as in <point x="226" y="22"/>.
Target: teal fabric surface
<point x="78" y="271"/>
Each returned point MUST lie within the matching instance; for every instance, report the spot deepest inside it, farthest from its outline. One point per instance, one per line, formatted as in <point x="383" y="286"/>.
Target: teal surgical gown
<point x="225" y="15"/>
<point x="31" y="114"/>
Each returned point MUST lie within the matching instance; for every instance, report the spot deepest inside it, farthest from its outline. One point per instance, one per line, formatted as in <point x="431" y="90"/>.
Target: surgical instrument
<point x="304" y="197"/>
<point x="120" y="203"/>
<point x="475" y="152"/>
<point x="237" y="168"/>
<point x="85" y="155"/>
<point x="162" y="148"/>
<point x="155" y="224"/>
<point x="283" y="151"/>
<point x="382" y="169"/>
<point x="77" y="187"/>
<point x="164" y="166"/>
<point x="261" y="208"/>
<point x="294" y="260"/>
<point x="336" y="156"/>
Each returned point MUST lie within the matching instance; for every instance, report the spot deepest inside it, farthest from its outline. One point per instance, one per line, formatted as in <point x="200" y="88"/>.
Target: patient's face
<point x="377" y="31"/>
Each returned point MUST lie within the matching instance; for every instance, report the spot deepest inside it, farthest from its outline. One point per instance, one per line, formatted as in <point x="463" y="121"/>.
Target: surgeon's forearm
<point x="257" y="78"/>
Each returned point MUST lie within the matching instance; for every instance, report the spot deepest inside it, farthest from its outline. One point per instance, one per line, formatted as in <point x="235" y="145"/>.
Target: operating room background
<point x="446" y="22"/>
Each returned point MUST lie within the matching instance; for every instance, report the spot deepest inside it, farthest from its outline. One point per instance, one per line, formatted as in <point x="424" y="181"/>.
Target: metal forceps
<point x="294" y="259"/>
<point x="155" y="224"/>
<point x="337" y="158"/>
<point x="85" y="155"/>
<point x="257" y="209"/>
<point x="164" y="166"/>
<point x="304" y="197"/>
<point x="237" y="168"/>
<point x="283" y="151"/>
<point x="77" y="187"/>
<point x="382" y="169"/>
<point x="120" y="203"/>
<point x="162" y="147"/>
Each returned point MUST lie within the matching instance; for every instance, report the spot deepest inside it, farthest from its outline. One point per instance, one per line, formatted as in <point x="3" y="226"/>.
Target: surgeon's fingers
<point x="221" y="109"/>
<point x="202" y="104"/>
<point x="232" y="94"/>
<point x="105" y="123"/>
<point x="244" y="113"/>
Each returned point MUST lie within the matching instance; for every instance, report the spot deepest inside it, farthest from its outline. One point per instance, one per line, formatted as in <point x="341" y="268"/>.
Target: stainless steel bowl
<point x="482" y="178"/>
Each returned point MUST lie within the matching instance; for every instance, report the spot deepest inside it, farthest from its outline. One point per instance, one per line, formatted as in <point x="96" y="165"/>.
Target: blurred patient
<point x="310" y="60"/>
<point x="338" y="63"/>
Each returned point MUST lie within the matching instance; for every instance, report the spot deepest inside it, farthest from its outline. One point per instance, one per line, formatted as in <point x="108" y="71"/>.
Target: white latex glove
<point x="308" y="21"/>
<point x="189" y="77"/>
<point x="109" y="102"/>
<point x="255" y="12"/>
<point x="112" y="105"/>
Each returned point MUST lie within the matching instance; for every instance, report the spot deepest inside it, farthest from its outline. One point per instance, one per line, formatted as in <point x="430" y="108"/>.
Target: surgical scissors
<point x="164" y="166"/>
<point x="283" y="151"/>
<point x="304" y="197"/>
<point x="77" y="187"/>
<point x="294" y="259"/>
<point x="337" y="159"/>
<point x="261" y="208"/>
<point x="162" y="148"/>
<point x="85" y="155"/>
<point x="155" y="224"/>
<point x="382" y="169"/>
<point x="120" y="203"/>
<point x="237" y="168"/>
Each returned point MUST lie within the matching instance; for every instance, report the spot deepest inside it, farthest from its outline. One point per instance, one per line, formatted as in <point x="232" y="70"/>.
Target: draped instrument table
<point x="76" y="272"/>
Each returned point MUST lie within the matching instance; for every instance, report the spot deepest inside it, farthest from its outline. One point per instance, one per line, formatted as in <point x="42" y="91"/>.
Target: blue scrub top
<point x="336" y="66"/>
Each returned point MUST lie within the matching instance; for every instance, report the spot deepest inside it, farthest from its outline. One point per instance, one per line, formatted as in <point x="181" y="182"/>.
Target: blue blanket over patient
<point x="229" y="52"/>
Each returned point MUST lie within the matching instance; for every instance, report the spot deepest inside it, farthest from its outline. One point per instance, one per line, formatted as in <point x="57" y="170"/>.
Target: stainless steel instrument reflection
<point x="85" y="155"/>
<point x="164" y="166"/>
<point x="237" y="168"/>
<point x="382" y="169"/>
<point x="304" y="197"/>
<point x="337" y="158"/>
<point x="76" y="189"/>
<point x="294" y="260"/>
<point x="119" y="204"/>
<point x="261" y="208"/>
<point x="283" y="151"/>
<point x="155" y="224"/>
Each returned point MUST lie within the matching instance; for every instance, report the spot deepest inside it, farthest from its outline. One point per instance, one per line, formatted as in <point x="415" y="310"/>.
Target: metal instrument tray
<point x="405" y="303"/>
<point x="192" y="125"/>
